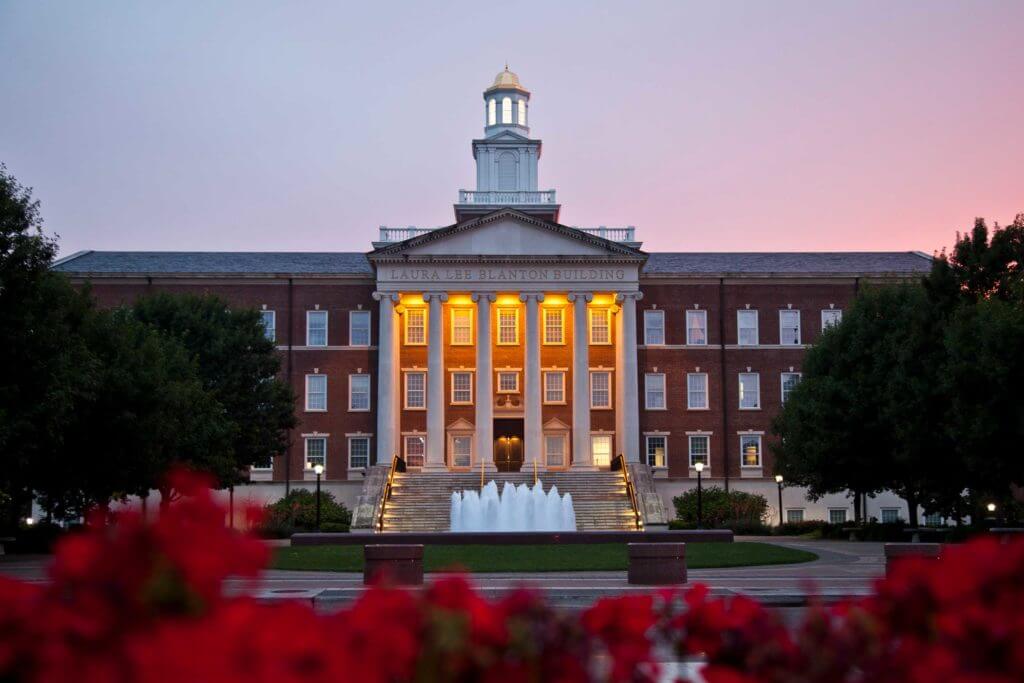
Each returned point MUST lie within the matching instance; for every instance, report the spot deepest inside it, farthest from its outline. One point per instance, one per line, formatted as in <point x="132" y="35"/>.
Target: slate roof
<point x="355" y="263"/>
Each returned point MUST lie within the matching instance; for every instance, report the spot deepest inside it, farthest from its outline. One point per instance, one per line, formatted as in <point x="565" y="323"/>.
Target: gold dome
<point x="507" y="80"/>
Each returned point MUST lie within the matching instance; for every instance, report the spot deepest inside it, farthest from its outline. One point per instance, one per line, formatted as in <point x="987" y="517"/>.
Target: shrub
<point x="722" y="509"/>
<point x="297" y="512"/>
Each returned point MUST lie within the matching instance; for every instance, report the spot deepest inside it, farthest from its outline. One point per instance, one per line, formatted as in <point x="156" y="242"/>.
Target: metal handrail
<point x="619" y="463"/>
<point x="397" y="465"/>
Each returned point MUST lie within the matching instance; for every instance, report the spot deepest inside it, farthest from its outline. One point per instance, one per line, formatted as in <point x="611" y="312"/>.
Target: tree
<point x="981" y="266"/>
<point x="238" y="366"/>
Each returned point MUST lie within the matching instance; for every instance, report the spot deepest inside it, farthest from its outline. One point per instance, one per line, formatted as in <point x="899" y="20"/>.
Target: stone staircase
<point x="421" y="502"/>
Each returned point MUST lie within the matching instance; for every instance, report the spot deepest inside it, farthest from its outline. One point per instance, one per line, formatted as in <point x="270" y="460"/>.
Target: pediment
<point x="507" y="136"/>
<point x="460" y="425"/>
<point x="555" y="425"/>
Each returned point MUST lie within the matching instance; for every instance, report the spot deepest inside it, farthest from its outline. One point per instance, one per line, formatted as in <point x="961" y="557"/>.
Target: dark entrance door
<point x="508" y="445"/>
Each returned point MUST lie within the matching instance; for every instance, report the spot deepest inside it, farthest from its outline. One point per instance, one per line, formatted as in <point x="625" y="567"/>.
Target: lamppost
<point x="778" y="481"/>
<point x="319" y="469"/>
<point x="700" y="503"/>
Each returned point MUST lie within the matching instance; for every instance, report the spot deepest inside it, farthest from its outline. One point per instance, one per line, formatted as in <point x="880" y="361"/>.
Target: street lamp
<point x="991" y="507"/>
<point x="700" y="503"/>
<point x="778" y="481"/>
<point x="319" y="469"/>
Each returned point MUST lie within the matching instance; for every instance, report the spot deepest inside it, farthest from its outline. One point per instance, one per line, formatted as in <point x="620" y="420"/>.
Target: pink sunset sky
<point x="251" y="126"/>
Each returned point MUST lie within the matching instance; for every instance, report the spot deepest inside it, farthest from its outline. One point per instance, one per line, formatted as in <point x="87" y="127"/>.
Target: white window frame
<point x="312" y="314"/>
<point x="647" y="391"/>
<point x="560" y="310"/>
<point x="564" y="438"/>
<point x="497" y="381"/>
<point x="593" y="404"/>
<point x="351" y="393"/>
<point x="845" y="512"/>
<point x="783" y="340"/>
<point x="757" y="392"/>
<point x="406" y="319"/>
<point x="592" y="314"/>
<point x="740" y="314"/>
<point x="492" y="112"/>
<point x="782" y="383"/>
<point x="454" y="373"/>
<point x="647" y="450"/>
<point x="547" y="400"/>
<point x="826" y="313"/>
<point x="453" y="327"/>
<point x="405" y="448"/>
<point x="305" y="452"/>
<point x="515" y="317"/>
<point x="650" y="315"/>
<point x="690" y="391"/>
<point x="521" y="112"/>
<point x="760" y="452"/>
<point x="353" y="439"/>
<point x="405" y="389"/>
<point x="506" y="111"/>
<point x="701" y="315"/>
<point x="452" y="437"/>
<point x="790" y="511"/>
<point x="690" y="454"/>
<point x="603" y="436"/>
<point x="352" y="316"/>
<point x="316" y="410"/>
<point x="269" y="331"/>
<point x="881" y="515"/>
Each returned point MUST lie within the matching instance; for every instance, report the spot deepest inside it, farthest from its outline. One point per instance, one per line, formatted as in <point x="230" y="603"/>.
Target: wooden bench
<point x="400" y="565"/>
<point x="896" y="551"/>
<point x="657" y="564"/>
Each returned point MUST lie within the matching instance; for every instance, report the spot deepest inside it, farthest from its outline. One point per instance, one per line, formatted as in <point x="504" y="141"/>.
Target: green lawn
<point x="538" y="558"/>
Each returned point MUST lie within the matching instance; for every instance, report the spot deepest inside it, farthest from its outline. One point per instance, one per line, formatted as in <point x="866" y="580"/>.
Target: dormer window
<point x="492" y="112"/>
<point x="522" y="112"/>
<point x="506" y="110"/>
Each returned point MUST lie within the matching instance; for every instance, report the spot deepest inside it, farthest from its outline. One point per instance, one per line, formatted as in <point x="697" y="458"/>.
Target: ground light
<point x="778" y="481"/>
<point x="700" y="507"/>
<point x="319" y="469"/>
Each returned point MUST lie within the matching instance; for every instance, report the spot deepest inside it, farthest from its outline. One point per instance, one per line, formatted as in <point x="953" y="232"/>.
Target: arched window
<point x="507" y="172"/>
<point x="492" y="114"/>
<point x="506" y="110"/>
<point x="522" y="112"/>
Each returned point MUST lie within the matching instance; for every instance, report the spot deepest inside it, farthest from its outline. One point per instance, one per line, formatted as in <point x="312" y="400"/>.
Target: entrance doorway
<point x="508" y="445"/>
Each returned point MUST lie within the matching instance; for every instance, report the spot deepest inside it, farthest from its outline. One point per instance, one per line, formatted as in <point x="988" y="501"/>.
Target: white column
<point x="532" y="429"/>
<point x="627" y="395"/>
<point x="582" y="457"/>
<point x="483" y="448"/>
<point x="435" y="383"/>
<point x="387" y="379"/>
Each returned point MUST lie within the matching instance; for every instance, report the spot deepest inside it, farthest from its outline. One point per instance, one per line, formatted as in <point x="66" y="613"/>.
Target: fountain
<point x="516" y="508"/>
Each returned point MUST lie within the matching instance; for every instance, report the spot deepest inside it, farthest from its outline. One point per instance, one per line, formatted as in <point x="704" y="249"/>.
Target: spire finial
<point x="506" y="65"/>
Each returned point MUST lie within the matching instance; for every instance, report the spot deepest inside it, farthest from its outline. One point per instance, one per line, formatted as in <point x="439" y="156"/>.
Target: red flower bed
<point x="132" y="601"/>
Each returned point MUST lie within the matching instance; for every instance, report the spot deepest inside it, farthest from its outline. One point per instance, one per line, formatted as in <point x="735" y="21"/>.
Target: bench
<point x="657" y="564"/>
<point x="897" y="551"/>
<point x="400" y="565"/>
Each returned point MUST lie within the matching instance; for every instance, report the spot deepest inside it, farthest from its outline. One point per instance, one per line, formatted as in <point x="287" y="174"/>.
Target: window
<point x="316" y="452"/>
<point x="415" y="390"/>
<point x="601" y="450"/>
<point x="890" y="515"/>
<point x="522" y="112"/>
<point x="654" y="391"/>
<point x="789" y="382"/>
<point x="492" y="112"/>
<point x="933" y="519"/>
<point x="506" y="110"/>
<point x="266" y="464"/>
<point x="316" y="392"/>
<point x="794" y="516"/>
<point x="415" y="449"/>
<point x="554" y="387"/>
<point x="654" y="328"/>
<point x="462" y="326"/>
<point x="657" y="451"/>
<point x="746" y="323"/>
<point x="269" y="321"/>
<point x="508" y="382"/>
<point x="750" y="450"/>
<point x="789" y="328"/>
<point x="358" y="392"/>
<point x="697" y="328"/>
<point x="750" y="391"/>
<point x="554" y="450"/>
<point x="837" y="516"/>
<point x="358" y="328"/>
<point x="830" y="318"/>
<point x="600" y="326"/>
<point x="415" y="326"/>
<point x="697" y="391"/>
<point x="700" y="446"/>
<point x="462" y="388"/>
<point x="461" y="447"/>
<point x="508" y="326"/>
<point x="316" y="328"/>
<point x="601" y="389"/>
<point x="358" y="452"/>
<point x="554" y="326"/>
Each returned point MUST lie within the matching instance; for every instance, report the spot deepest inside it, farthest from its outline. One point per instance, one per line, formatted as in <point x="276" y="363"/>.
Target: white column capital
<point x="438" y="296"/>
<point x="586" y="297"/>
<point x="531" y="296"/>
<point x="622" y="296"/>
<point x="389" y="296"/>
<point x="489" y="297"/>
